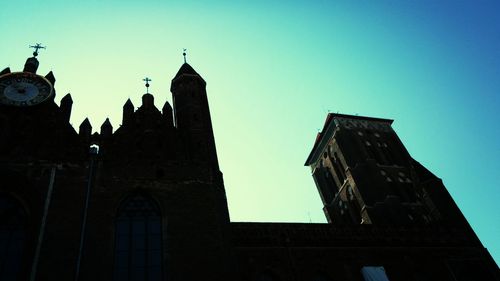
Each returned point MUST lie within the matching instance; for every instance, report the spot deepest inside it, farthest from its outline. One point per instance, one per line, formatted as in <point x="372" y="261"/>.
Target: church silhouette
<point x="146" y="201"/>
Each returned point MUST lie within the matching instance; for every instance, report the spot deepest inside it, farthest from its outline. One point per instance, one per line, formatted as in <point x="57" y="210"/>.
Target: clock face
<point x="24" y="89"/>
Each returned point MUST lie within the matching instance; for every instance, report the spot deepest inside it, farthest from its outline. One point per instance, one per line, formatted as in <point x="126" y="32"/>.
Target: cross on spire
<point x="37" y="47"/>
<point x="147" y="80"/>
<point x="184" y="54"/>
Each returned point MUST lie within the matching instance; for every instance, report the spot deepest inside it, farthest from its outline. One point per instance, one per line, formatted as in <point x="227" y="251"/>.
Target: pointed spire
<point x="187" y="72"/>
<point x="185" y="69"/>
<point x="167" y="114"/>
<point x="167" y="108"/>
<point x="128" y="103"/>
<point x="85" y="130"/>
<point x="128" y="112"/>
<point x="67" y="99"/>
<point x="51" y="78"/>
<point x="85" y="124"/>
<point x="106" y="129"/>
<point x="66" y="105"/>
<point x="5" y="71"/>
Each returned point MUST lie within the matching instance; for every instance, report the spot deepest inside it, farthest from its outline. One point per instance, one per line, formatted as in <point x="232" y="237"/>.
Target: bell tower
<point x="365" y="175"/>
<point x="192" y="115"/>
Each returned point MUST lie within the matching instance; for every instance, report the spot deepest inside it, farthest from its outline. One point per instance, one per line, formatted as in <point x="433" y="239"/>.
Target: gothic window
<point x="138" y="241"/>
<point x="353" y="205"/>
<point x="325" y="183"/>
<point x="339" y="168"/>
<point x="371" y="151"/>
<point x="12" y="237"/>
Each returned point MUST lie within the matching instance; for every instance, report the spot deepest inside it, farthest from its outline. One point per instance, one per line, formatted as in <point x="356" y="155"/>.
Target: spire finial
<point x="37" y="47"/>
<point x="147" y="80"/>
<point x="184" y="54"/>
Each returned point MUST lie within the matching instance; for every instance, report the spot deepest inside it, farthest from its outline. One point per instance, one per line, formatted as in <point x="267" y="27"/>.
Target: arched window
<point x="12" y="237"/>
<point x="138" y="241"/>
<point x="354" y="207"/>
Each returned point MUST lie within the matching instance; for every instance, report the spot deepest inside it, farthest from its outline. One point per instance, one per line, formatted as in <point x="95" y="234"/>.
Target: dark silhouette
<point x="147" y="201"/>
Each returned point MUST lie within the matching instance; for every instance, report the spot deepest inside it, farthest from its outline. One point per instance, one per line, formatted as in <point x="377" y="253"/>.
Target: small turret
<point x="106" y="129"/>
<point x="51" y="78"/>
<point x="85" y="130"/>
<point x="128" y="112"/>
<point x="31" y="65"/>
<point x="5" y="71"/>
<point x="192" y="115"/>
<point x="66" y="105"/>
<point x="167" y="114"/>
<point x="148" y="101"/>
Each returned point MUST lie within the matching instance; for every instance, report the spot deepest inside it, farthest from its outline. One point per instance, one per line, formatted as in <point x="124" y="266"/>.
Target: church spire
<point x="106" y="129"/>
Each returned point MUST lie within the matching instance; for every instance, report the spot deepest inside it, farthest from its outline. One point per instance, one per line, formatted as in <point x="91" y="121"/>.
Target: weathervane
<point x="147" y="84"/>
<point x="37" y="47"/>
<point x="184" y="54"/>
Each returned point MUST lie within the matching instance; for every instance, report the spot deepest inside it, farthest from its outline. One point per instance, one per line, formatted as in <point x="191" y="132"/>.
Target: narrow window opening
<point x="138" y="249"/>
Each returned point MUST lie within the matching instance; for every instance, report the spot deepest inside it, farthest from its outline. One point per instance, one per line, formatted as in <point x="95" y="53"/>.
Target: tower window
<point x="138" y="241"/>
<point x="339" y="168"/>
<point x="354" y="207"/>
<point x="372" y="152"/>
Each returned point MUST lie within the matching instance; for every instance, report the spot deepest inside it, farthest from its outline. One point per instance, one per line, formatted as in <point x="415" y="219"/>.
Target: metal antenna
<point x="37" y="47"/>
<point x="184" y="54"/>
<point x="147" y="80"/>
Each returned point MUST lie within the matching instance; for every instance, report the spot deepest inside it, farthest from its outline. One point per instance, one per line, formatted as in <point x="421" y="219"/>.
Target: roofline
<point x="328" y="121"/>
<point x="362" y="117"/>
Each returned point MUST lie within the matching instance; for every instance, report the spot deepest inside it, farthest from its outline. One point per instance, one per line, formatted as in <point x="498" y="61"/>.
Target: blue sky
<point x="275" y="69"/>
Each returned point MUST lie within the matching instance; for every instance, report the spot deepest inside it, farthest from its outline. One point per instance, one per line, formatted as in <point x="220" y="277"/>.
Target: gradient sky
<point x="274" y="69"/>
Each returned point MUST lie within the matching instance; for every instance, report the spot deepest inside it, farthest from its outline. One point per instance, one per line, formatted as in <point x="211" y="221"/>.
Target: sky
<point x="274" y="69"/>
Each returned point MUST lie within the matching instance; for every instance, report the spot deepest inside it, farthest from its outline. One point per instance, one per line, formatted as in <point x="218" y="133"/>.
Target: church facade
<point x="147" y="201"/>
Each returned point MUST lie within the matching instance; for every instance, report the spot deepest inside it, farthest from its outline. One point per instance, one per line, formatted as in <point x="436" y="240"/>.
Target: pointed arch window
<point x="138" y="241"/>
<point x="12" y="237"/>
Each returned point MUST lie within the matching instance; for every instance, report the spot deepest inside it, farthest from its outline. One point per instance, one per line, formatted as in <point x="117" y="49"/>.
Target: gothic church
<point x="147" y="201"/>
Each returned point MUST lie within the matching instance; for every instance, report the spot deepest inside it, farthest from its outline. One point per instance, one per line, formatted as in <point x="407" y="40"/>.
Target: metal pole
<point x="85" y="211"/>
<point x="42" y="225"/>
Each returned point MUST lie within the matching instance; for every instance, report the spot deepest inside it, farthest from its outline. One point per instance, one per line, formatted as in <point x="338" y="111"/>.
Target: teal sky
<point x="275" y="69"/>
